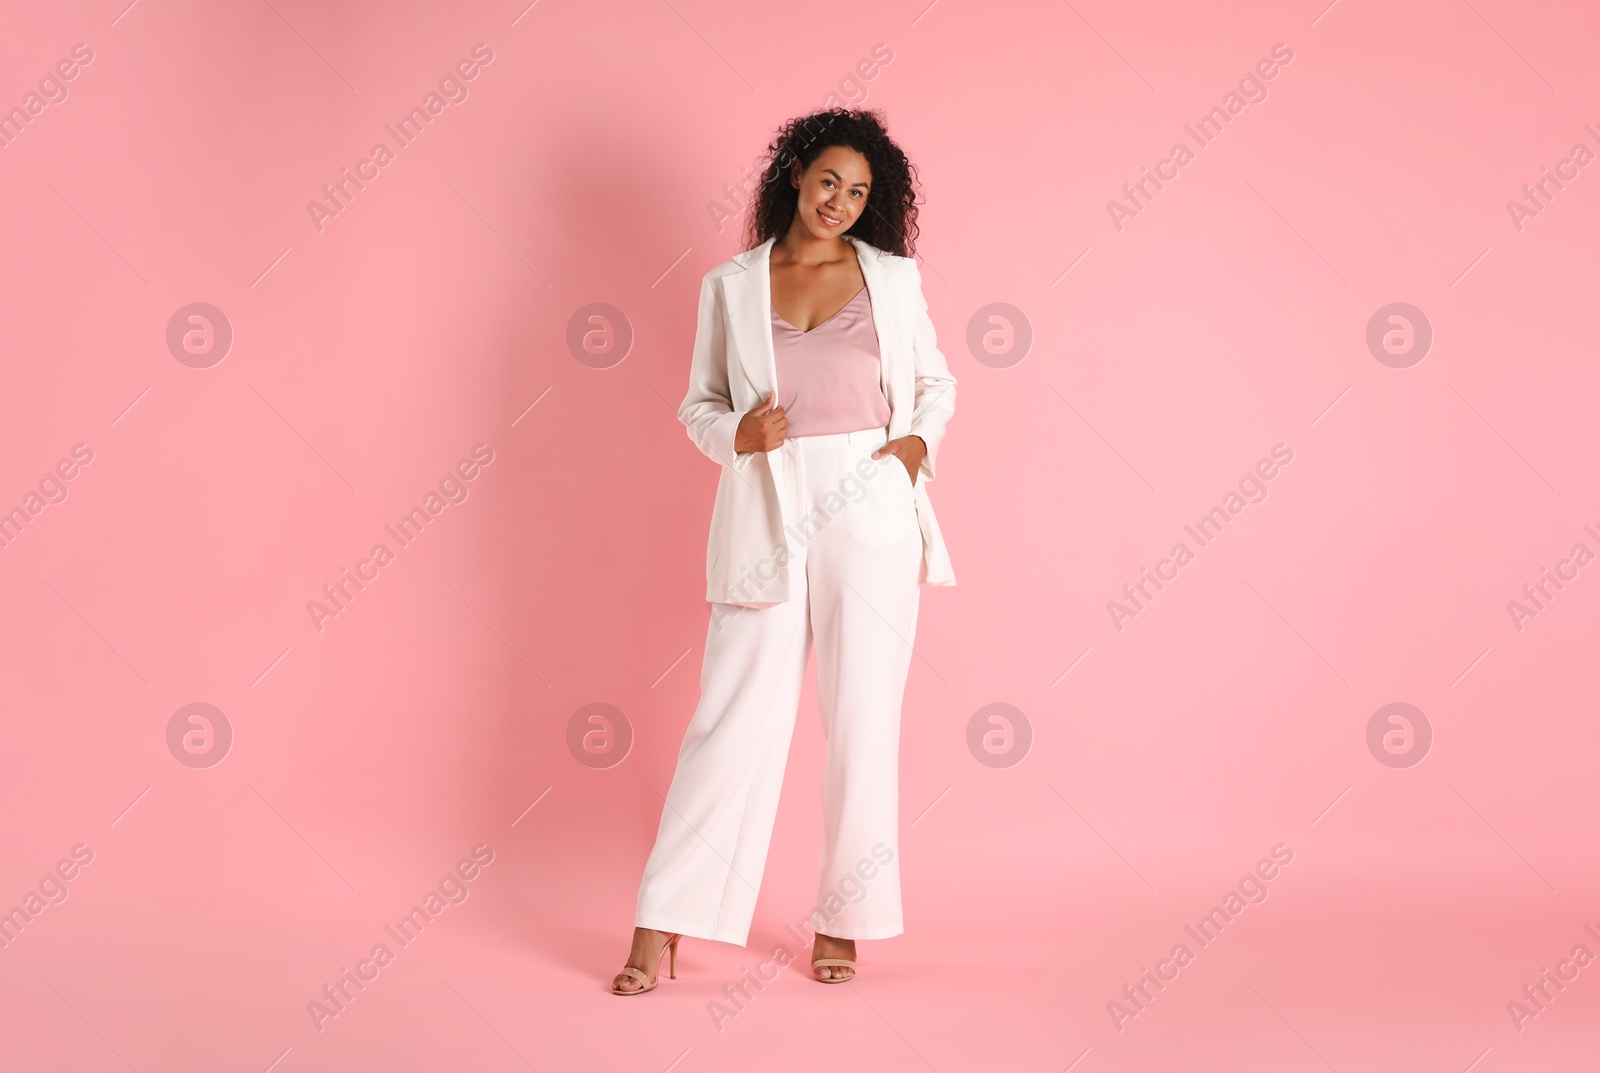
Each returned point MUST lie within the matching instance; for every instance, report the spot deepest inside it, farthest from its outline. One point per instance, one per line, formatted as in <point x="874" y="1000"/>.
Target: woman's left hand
<point x="910" y="450"/>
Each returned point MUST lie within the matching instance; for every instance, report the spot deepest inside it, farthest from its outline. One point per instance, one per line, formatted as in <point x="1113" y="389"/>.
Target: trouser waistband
<point x="865" y="435"/>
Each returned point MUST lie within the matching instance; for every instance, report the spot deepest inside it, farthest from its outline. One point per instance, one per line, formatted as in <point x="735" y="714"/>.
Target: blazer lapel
<point x="749" y="295"/>
<point x="875" y="272"/>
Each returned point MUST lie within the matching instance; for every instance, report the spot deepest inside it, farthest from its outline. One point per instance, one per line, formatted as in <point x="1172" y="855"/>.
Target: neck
<point x="800" y="246"/>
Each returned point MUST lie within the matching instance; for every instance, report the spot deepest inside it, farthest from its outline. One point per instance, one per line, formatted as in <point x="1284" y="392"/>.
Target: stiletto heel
<point x="669" y="950"/>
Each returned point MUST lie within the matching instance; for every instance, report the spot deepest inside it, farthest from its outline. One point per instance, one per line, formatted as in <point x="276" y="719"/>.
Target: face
<point x="833" y="191"/>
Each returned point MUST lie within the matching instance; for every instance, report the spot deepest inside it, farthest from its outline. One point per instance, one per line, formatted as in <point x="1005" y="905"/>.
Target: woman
<point x="817" y="385"/>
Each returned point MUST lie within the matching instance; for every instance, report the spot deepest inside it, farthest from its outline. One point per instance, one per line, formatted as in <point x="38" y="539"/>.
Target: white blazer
<point x="734" y="368"/>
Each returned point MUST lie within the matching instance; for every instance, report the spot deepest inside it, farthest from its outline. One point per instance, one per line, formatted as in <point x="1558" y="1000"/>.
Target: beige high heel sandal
<point x="645" y="982"/>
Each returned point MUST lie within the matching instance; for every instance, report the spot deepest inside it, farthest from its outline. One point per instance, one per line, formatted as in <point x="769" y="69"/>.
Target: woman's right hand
<point x="762" y="428"/>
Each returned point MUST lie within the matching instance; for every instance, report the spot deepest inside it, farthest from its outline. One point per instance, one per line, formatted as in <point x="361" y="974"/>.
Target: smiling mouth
<point x="829" y="220"/>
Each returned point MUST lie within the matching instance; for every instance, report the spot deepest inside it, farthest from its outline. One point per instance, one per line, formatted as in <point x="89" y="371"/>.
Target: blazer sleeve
<point x="935" y="394"/>
<point x="707" y="411"/>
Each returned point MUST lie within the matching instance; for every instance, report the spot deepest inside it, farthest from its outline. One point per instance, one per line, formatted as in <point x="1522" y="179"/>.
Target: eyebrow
<point x="836" y="175"/>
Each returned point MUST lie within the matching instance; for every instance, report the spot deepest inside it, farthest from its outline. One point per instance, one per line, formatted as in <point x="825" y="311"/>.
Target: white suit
<point x="735" y="367"/>
<point x="812" y="542"/>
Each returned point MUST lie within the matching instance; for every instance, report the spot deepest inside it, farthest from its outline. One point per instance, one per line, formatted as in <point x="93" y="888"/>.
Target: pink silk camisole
<point x="828" y="378"/>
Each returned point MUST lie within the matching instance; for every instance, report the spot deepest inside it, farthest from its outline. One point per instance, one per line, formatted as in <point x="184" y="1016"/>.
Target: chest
<point x="806" y="296"/>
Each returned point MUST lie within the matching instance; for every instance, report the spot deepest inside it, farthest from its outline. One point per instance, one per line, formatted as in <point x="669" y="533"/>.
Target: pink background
<point x="432" y="714"/>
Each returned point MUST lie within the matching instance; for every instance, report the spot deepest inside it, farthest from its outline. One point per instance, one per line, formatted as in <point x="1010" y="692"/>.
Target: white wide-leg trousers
<point x="854" y="554"/>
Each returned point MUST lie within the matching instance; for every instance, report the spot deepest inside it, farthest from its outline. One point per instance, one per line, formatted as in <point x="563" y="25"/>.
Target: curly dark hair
<point x="890" y="219"/>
